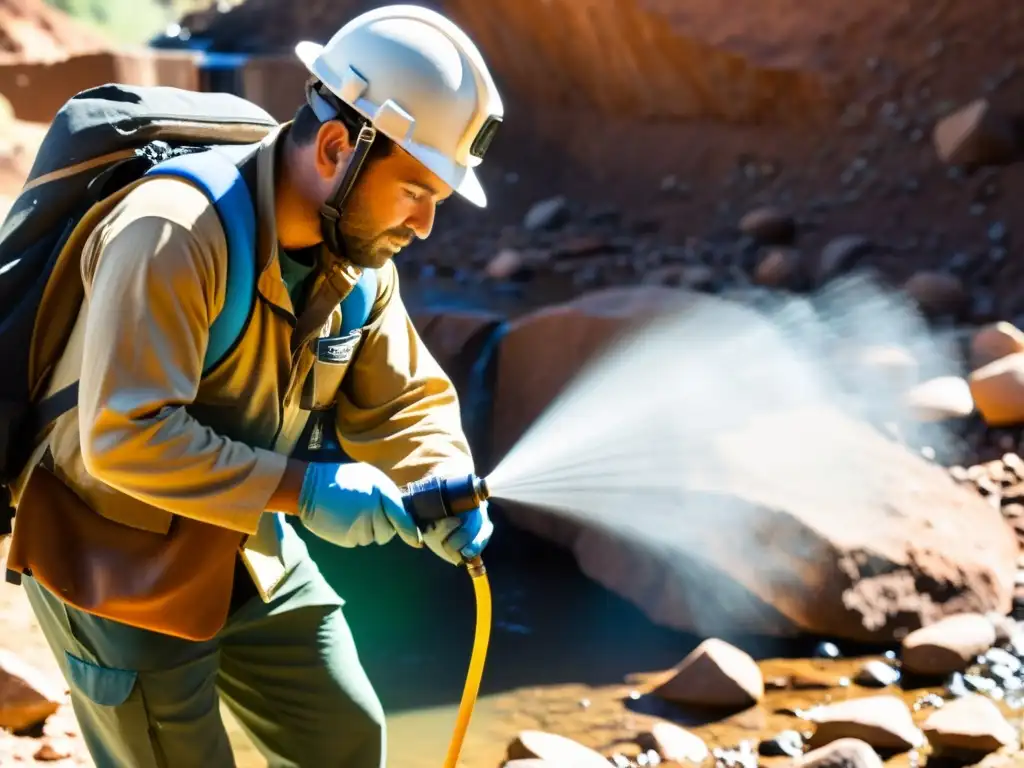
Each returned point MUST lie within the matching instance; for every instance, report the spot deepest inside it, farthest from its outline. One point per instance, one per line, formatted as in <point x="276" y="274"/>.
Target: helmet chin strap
<point x="330" y="211"/>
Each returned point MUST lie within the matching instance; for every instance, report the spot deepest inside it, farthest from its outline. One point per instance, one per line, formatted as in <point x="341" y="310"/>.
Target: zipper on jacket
<point x="304" y="342"/>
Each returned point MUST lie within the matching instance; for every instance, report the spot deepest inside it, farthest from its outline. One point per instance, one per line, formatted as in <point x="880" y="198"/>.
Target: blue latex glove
<point x="354" y="505"/>
<point x="461" y="537"/>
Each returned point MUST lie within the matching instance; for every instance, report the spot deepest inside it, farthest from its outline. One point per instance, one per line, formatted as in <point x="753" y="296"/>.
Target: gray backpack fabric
<point x="100" y="140"/>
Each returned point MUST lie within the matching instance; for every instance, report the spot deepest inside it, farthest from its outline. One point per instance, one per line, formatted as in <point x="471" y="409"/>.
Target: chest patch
<point x="338" y="350"/>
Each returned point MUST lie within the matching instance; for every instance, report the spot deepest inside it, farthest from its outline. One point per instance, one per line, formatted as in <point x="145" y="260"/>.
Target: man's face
<point x="393" y="202"/>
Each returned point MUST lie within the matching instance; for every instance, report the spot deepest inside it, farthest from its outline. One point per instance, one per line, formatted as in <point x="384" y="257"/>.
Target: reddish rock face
<point x="795" y="517"/>
<point x="543" y="351"/>
<point x="458" y="341"/>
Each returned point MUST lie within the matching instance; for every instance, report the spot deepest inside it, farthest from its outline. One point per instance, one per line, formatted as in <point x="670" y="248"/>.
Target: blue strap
<point x="222" y="182"/>
<point x="356" y="307"/>
<point x="218" y="177"/>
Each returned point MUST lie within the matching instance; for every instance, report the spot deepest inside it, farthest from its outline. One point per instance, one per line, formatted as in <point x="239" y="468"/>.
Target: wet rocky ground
<point x="579" y="676"/>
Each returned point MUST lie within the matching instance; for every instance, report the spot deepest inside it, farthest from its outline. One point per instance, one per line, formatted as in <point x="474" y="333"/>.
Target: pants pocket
<point x="106" y="686"/>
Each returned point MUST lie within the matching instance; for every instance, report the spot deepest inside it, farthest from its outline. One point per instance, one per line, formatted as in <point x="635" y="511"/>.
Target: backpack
<point x="101" y="140"/>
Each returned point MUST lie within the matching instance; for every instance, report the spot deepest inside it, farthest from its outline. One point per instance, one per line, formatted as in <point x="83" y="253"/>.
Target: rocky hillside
<point x="34" y="30"/>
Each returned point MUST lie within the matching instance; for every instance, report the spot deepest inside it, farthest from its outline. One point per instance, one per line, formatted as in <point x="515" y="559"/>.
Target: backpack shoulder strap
<point x="219" y="178"/>
<point x="356" y="307"/>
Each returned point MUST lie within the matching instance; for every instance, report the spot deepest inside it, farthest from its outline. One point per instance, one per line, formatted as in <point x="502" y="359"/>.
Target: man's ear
<point x="333" y="148"/>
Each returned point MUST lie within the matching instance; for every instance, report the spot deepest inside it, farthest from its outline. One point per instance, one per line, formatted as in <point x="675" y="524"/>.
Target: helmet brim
<point x="462" y="179"/>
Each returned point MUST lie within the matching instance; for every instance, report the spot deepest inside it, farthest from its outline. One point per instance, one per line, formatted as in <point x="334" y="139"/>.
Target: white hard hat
<point x="419" y="80"/>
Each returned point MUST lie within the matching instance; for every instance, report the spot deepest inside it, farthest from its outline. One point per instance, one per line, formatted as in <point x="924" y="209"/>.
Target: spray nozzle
<point x="436" y="498"/>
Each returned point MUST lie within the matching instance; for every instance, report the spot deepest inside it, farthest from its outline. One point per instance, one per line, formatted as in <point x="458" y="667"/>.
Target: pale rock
<point x="676" y="744"/>
<point x="972" y="723"/>
<point x="884" y="722"/>
<point x="715" y="674"/>
<point x="941" y="398"/>
<point x="27" y="696"/>
<point x="769" y="226"/>
<point x="949" y="645"/>
<point x="937" y="293"/>
<point x="841" y="753"/>
<point x="975" y="135"/>
<point x="994" y="342"/>
<point x="555" y="749"/>
<point x="505" y="264"/>
<point x="998" y="390"/>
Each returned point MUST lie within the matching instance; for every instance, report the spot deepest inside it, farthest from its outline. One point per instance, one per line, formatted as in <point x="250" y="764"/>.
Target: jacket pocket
<point x="332" y="357"/>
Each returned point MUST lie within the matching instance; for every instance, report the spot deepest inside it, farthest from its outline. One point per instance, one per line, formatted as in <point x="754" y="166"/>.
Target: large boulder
<point x="462" y="343"/>
<point x="542" y="352"/>
<point x="713" y="472"/>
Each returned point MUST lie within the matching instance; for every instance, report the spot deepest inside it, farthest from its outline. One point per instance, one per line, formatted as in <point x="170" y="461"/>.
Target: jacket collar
<point x="270" y="284"/>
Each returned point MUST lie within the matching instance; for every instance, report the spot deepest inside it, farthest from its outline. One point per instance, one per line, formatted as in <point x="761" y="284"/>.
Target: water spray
<point x="669" y="438"/>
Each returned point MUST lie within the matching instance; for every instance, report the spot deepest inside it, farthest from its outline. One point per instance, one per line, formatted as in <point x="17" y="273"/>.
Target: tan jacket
<point x="152" y="438"/>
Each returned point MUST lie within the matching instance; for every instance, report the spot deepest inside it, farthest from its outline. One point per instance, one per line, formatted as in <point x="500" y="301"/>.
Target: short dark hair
<point x="306" y="126"/>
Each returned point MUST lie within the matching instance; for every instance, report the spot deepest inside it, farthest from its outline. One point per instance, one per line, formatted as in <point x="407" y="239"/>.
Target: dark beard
<point x="366" y="253"/>
<point x="366" y="248"/>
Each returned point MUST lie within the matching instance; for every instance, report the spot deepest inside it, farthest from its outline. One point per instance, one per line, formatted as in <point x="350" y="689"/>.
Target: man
<point x="399" y="108"/>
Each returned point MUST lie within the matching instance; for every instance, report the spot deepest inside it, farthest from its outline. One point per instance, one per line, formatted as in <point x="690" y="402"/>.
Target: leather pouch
<point x="178" y="583"/>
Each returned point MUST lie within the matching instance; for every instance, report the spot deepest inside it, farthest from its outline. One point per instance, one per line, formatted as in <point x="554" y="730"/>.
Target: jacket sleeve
<point x="154" y="273"/>
<point x="397" y="409"/>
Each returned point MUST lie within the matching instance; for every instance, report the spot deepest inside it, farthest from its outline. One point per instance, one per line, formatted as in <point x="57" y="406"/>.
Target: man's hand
<point x="462" y="537"/>
<point x="354" y="505"/>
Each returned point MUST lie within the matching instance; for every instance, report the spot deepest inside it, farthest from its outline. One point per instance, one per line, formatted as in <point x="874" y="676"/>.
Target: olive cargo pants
<point x="288" y="670"/>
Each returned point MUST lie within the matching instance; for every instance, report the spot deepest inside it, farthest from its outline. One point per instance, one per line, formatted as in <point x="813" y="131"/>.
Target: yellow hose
<point x="482" y="590"/>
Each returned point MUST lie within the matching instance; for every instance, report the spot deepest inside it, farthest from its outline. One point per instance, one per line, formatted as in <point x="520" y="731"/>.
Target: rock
<point x="877" y="674"/>
<point x="873" y="540"/>
<point x="742" y="756"/>
<point x="675" y="744"/>
<point x="998" y="391"/>
<point x="695" y="276"/>
<point x="581" y="245"/>
<point x="52" y="750"/>
<point x="769" y="226"/>
<point x="780" y="268"/>
<point x="941" y="398"/>
<point x="814" y="679"/>
<point x="459" y="341"/>
<point x="547" y="214"/>
<point x="555" y="749"/>
<point x="27" y="696"/>
<point x="827" y="650"/>
<point x="883" y="722"/>
<point x="508" y="263"/>
<point x="698" y="277"/>
<point x="938" y="294"/>
<point x="456" y="339"/>
<point x="1006" y="627"/>
<point x="994" y="342"/>
<point x="542" y="352"/>
<point x="715" y="674"/>
<point x="785" y="744"/>
<point x="975" y="135"/>
<point x="841" y="753"/>
<point x="839" y="255"/>
<point x="973" y="724"/>
<point x="948" y="645"/>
